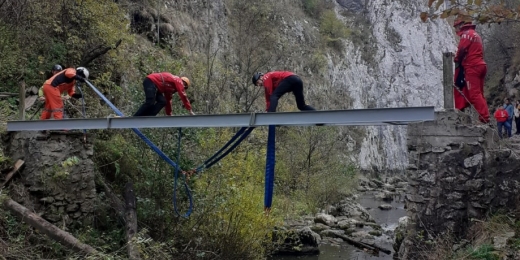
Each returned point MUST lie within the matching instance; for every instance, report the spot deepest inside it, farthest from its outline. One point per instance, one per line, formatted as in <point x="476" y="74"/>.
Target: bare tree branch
<point x="97" y="53"/>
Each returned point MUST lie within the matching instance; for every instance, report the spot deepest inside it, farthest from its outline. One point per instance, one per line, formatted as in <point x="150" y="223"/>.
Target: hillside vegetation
<point x="218" y="45"/>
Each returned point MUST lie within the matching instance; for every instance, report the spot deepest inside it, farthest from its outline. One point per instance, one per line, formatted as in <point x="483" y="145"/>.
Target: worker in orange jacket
<point x="159" y="89"/>
<point x="63" y="81"/>
<point x="55" y="69"/>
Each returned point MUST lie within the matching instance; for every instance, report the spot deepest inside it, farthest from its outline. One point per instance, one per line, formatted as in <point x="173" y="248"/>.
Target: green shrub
<point x="484" y="252"/>
<point x="315" y="8"/>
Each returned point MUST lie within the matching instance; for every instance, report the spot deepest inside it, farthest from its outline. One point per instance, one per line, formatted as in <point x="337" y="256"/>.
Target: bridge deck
<point x="375" y="116"/>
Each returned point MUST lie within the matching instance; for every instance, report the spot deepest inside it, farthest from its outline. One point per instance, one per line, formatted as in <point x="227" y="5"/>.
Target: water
<point x="388" y="219"/>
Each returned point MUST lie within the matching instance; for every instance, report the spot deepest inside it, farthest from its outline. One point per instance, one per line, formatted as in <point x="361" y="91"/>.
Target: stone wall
<point x="57" y="181"/>
<point x="457" y="171"/>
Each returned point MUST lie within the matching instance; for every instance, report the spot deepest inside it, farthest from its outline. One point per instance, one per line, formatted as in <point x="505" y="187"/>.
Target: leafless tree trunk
<point x="131" y="220"/>
<point x="47" y="228"/>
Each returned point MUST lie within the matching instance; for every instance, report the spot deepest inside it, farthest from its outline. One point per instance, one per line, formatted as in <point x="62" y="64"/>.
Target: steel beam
<point x="375" y="116"/>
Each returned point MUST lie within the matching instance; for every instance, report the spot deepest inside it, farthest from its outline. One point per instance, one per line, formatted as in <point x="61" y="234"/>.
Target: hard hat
<point x="256" y="77"/>
<point x="82" y="71"/>
<point x="461" y="19"/>
<point x="57" y="67"/>
<point x="458" y="22"/>
<point x="187" y="80"/>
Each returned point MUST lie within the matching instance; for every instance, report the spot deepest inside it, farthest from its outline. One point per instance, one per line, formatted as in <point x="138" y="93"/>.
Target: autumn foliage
<point x="481" y="11"/>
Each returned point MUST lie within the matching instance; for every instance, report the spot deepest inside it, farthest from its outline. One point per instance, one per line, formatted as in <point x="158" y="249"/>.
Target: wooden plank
<point x="32" y="90"/>
<point x="17" y="166"/>
<point x="29" y="102"/>
<point x="447" y="80"/>
<point x="21" y="108"/>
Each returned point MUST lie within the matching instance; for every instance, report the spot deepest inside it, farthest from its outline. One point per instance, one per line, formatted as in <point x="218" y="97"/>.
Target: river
<point x="388" y="219"/>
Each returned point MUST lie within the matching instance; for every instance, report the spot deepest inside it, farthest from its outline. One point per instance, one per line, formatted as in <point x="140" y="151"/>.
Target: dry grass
<point x="477" y="245"/>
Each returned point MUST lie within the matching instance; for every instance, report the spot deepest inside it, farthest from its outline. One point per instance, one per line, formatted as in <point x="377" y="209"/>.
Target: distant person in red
<point x="63" y="81"/>
<point x="278" y="83"/>
<point x="159" y="89"/>
<point x="470" y="70"/>
<point x="501" y="116"/>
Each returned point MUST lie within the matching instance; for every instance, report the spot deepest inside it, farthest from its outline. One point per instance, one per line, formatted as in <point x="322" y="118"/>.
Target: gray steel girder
<point x="373" y="116"/>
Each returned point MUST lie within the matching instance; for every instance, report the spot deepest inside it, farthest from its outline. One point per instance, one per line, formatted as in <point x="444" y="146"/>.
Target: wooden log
<point x="362" y="245"/>
<point x="47" y="228"/>
<point x="131" y="221"/>
<point x="17" y="165"/>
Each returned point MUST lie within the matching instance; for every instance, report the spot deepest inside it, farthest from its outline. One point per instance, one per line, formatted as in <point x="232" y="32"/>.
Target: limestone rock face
<point x="58" y="178"/>
<point x="398" y="65"/>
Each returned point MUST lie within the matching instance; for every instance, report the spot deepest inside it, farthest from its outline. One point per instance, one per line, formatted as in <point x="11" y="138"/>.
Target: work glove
<point x="79" y="78"/>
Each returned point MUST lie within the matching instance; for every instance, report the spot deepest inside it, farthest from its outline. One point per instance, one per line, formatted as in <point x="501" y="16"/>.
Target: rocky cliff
<point x="402" y="67"/>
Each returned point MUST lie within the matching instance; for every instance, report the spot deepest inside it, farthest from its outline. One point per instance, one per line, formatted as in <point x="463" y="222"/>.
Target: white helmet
<point x="82" y="71"/>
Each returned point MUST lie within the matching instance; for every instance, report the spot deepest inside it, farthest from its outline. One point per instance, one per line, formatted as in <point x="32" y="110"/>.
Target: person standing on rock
<point x="469" y="60"/>
<point x="159" y="89"/>
<point x="510" y="113"/>
<point x="278" y="83"/>
<point x="63" y="81"/>
<point x="501" y="116"/>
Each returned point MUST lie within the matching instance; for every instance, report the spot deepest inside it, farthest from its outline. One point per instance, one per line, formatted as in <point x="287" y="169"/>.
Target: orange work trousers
<point x="53" y="103"/>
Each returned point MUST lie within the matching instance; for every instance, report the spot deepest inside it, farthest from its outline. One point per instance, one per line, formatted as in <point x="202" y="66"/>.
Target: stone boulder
<point x="325" y="219"/>
<point x="351" y="209"/>
<point x="302" y="241"/>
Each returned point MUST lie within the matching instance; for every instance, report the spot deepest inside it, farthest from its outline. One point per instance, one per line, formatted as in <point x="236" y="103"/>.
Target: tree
<point x="482" y="11"/>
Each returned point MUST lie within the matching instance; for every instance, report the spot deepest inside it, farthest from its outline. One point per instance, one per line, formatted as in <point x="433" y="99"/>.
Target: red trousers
<point x="53" y="103"/>
<point x="473" y="91"/>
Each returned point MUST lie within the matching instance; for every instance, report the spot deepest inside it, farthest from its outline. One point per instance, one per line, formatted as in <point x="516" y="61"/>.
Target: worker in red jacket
<point x="278" y="83"/>
<point x="63" y="81"/>
<point x="469" y="60"/>
<point x="159" y="89"/>
<point x="501" y="116"/>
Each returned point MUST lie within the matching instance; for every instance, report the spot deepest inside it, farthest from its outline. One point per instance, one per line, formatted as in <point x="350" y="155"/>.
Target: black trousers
<point x="155" y="100"/>
<point x="290" y="84"/>
<point x="517" y="122"/>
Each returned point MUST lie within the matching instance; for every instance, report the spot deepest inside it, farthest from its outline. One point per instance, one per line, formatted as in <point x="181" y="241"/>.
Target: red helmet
<point x="458" y="22"/>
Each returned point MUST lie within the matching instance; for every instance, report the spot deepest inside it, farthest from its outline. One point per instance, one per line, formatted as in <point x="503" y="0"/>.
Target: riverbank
<point x="370" y="218"/>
